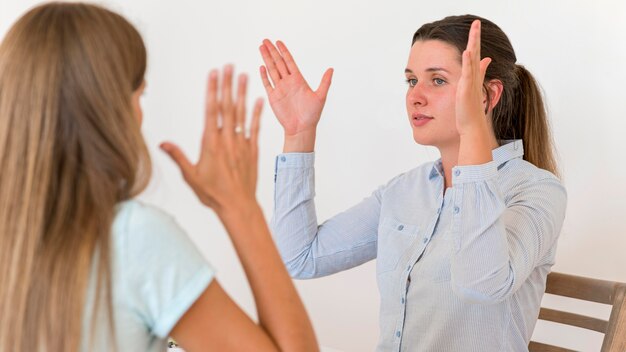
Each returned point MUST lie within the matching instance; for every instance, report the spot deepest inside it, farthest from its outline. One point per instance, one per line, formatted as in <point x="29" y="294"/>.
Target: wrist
<point x="476" y="146"/>
<point x="300" y="142"/>
<point x="238" y="209"/>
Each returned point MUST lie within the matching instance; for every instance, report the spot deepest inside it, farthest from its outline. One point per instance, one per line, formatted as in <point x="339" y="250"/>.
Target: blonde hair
<point x="70" y="150"/>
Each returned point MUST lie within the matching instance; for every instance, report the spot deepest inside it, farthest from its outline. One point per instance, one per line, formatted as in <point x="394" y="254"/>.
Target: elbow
<point x="302" y="266"/>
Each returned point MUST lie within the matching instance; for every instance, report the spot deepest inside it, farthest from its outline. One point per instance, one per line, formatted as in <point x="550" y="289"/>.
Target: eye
<point x="439" y="81"/>
<point x="412" y="82"/>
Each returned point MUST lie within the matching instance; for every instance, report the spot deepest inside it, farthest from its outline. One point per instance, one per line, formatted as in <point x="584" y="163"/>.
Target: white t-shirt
<point x="157" y="275"/>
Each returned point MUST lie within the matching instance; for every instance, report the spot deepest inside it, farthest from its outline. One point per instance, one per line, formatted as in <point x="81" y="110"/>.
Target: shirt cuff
<point x="474" y="173"/>
<point x="295" y="160"/>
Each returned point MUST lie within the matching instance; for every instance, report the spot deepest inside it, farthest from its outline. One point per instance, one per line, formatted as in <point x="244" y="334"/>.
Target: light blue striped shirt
<point x="460" y="270"/>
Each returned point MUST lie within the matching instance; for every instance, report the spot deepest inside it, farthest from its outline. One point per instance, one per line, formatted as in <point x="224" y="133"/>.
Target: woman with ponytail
<point x="464" y="244"/>
<point x="84" y="266"/>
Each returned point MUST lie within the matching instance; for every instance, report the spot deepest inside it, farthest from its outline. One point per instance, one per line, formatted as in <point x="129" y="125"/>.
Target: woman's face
<point x="136" y="101"/>
<point x="432" y="73"/>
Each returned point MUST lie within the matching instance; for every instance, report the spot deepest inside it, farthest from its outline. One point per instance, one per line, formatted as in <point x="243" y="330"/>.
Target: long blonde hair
<point x="70" y="150"/>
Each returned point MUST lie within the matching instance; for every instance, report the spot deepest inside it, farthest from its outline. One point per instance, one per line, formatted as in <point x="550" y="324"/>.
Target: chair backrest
<point x="600" y="291"/>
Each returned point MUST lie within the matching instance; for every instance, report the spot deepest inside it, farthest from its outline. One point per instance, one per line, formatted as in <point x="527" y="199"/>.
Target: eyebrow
<point x="430" y="69"/>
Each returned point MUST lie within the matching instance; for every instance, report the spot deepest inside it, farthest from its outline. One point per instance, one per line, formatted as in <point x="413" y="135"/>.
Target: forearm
<point x="310" y="250"/>
<point x="481" y="264"/>
<point x="500" y="243"/>
<point x="281" y="312"/>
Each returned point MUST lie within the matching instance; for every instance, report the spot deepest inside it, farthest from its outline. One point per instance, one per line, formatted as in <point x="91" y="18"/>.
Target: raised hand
<point x="297" y="106"/>
<point x="226" y="172"/>
<point x="477" y="139"/>
<point x="470" y="95"/>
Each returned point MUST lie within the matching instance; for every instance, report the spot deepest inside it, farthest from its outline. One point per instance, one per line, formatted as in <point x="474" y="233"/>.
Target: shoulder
<point x="159" y="270"/>
<point x="521" y="170"/>
<point x="518" y="177"/>
<point x="138" y="226"/>
<point x="134" y="213"/>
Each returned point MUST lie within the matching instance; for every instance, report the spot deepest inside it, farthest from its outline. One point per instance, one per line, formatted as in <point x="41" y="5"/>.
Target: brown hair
<point x="520" y="113"/>
<point x="70" y="150"/>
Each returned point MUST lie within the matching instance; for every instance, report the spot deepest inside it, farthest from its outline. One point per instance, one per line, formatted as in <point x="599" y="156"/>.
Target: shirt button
<point x="283" y="158"/>
<point x="425" y="240"/>
<point x="397" y="333"/>
<point x="400" y="227"/>
<point x="438" y="210"/>
<point x="457" y="172"/>
<point x="408" y="268"/>
<point x="402" y="300"/>
<point x="456" y="210"/>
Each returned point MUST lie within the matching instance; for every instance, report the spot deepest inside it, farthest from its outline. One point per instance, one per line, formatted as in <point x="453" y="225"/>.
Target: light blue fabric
<point x="460" y="270"/>
<point x="157" y="275"/>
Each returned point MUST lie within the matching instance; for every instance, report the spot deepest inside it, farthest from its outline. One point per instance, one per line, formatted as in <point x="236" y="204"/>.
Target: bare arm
<point x="224" y="179"/>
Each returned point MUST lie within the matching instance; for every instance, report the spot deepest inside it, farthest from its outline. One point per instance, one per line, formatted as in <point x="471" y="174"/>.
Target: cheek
<point x="137" y="108"/>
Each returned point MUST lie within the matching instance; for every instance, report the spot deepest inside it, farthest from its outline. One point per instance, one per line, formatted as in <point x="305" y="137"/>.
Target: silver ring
<point x="238" y="129"/>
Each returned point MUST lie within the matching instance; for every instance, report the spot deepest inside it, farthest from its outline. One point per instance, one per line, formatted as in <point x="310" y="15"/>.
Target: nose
<point x="415" y="95"/>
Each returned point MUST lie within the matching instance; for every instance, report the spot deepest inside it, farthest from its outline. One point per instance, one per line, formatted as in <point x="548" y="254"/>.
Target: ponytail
<point x="530" y="122"/>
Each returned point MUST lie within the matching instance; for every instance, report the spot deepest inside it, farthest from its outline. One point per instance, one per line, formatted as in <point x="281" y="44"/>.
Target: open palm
<point x="297" y="106"/>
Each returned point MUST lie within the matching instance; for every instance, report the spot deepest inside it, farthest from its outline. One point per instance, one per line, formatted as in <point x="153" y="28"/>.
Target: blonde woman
<point x="83" y="266"/>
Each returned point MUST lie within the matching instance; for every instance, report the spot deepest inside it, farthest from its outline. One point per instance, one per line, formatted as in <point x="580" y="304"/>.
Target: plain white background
<point x="576" y="49"/>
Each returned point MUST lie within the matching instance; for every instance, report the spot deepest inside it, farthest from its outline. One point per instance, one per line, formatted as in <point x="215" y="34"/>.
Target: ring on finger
<point x="238" y="129"/>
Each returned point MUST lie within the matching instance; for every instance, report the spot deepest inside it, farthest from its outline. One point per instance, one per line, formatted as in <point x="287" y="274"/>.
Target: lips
<point x="418" y="120"/>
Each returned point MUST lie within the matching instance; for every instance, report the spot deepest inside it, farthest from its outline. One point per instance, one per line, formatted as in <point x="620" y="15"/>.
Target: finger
<point x="269" y="62"/>
<point x="484" y="64"/>
<point x="186" y="167"/>
<point x="322" y="90"/>
<point x="475" y="50"/>
<point x="227" y="101"/>
<point x="255" y="124"/>
<point x="278" y="59"/>
<point x="240" y="109"/>
<point x="289" y="61"/>
<point x="466" y="69"/>
<point x="254" y="143"/>
<point x="473" y="38"/>
<point x="210" y="107"/>
<point x="266" y="82"/>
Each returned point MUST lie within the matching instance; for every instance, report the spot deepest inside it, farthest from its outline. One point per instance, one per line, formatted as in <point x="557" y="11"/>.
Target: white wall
<point x="576" y="49"/>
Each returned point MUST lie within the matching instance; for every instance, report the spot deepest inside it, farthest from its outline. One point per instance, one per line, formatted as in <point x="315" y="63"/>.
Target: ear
<point x="495" y="88"/>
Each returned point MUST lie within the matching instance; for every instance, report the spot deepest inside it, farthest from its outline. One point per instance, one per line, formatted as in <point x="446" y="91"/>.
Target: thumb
<point x="322" y="90"/>
<point x="179" y="157"/>
<point x="484" y="63"/>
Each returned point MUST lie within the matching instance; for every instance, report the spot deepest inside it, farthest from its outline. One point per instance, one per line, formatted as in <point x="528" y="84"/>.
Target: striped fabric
<point x="460" y="270"/>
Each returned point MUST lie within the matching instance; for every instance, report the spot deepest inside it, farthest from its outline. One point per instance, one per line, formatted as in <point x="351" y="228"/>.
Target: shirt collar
<point x="508" y="149"/>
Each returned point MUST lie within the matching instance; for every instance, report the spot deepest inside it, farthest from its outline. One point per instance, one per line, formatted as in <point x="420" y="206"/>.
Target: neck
<point x="449" y="159"/>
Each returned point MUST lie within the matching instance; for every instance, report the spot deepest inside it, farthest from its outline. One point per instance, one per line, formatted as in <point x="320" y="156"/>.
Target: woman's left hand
<point x="471" y="101"/>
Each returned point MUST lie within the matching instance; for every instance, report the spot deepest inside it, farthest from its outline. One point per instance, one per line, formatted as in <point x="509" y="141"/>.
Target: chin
<point x="422" y="139"/>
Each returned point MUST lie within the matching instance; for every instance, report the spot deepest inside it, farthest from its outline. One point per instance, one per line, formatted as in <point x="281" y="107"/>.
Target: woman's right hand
<point x="297" y="107"/>
<point x="224" y="178"/>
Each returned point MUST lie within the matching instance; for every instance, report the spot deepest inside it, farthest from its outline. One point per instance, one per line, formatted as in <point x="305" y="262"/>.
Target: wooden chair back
<point x="600" y="291"/>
